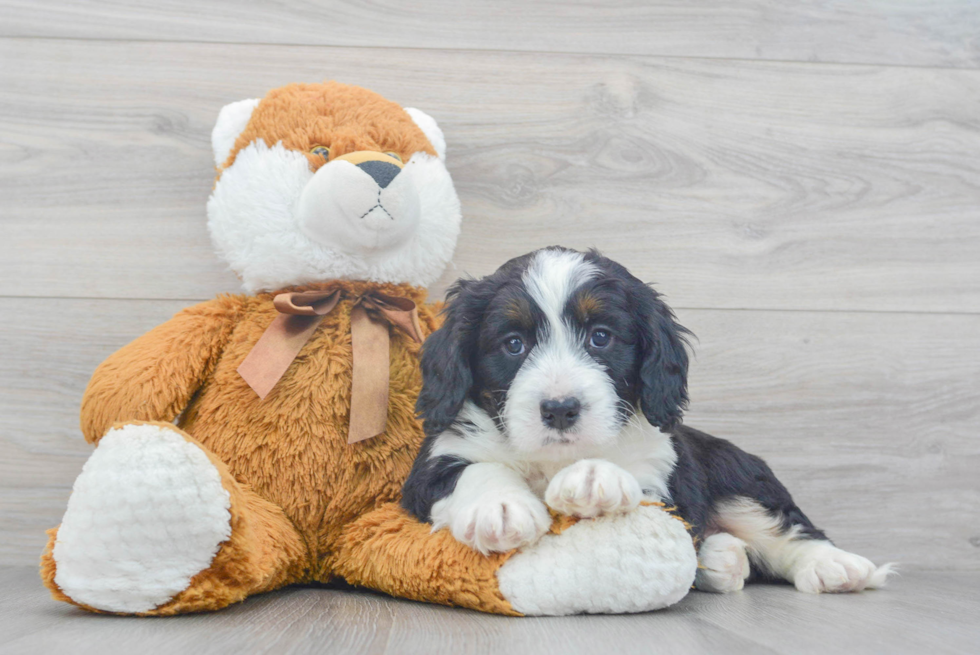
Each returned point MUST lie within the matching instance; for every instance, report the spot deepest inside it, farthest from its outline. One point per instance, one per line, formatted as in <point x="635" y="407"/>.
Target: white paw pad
<point x="634" y="562"/>
<point x="147" y="513"/>
<point x="724" y="564"/>
<point x="828" y="569"/>
<point x="501" y="522"/>
<point x="592" y="487"/>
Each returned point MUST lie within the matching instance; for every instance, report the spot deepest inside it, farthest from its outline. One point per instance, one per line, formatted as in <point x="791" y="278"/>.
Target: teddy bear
<point x="261" y="439"/>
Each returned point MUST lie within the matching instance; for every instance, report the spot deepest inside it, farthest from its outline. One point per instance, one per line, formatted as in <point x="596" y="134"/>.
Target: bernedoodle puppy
<point x="560" y="381"/>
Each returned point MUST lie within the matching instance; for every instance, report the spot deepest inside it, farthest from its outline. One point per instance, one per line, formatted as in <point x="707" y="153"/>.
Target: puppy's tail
<point x="880" y="577"/>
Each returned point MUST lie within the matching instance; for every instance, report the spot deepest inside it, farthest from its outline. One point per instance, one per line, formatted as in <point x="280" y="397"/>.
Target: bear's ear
<point x="232" y="120"/>
<point x="431" y="129"/>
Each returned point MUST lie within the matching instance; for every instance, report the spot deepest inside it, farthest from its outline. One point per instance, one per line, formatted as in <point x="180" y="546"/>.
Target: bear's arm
<point x="154" y="377"/>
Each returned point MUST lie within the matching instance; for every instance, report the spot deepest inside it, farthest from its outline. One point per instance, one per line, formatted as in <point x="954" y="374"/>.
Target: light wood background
<point x="922" y="612"/>
<point x="801" y="179"/>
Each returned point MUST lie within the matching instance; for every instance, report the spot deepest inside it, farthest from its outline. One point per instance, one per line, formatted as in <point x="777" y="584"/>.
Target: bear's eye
<point x="394" y="155"/>
<point x="323" y="151"/>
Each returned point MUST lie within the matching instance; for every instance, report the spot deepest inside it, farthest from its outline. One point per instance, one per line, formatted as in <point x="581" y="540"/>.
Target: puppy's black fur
<point x="648" y="365"/>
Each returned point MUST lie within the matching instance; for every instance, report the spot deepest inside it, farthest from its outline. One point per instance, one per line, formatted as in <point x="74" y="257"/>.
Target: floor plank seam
<point x="570" y="53"/>
<point x="676" y="307"/>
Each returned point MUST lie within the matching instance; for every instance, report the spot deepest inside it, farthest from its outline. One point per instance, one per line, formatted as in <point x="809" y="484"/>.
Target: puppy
<point x="560" y="381"/>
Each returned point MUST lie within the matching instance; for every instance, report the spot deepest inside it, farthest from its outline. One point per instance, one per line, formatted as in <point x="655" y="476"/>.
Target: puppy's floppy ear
<point x="663" y="370"/>
<point x="446" y="374"/>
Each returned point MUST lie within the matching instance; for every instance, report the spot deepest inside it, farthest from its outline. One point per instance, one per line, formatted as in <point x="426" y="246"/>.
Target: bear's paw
<point x="146" y="514"/>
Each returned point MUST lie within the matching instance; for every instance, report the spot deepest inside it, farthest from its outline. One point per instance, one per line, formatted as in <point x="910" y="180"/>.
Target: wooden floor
<point x="802" y="180"/>
<point x="923" y="612"/>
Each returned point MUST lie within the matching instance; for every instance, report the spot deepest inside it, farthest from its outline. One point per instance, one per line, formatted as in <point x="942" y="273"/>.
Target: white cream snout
<point x="360" y="210"/>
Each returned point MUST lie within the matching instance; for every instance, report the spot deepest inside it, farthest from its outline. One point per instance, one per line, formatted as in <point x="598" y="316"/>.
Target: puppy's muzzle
<point x="560" y="414"/>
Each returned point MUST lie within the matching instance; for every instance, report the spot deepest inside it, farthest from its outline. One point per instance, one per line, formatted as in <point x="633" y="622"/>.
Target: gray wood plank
<point x="911" y="32"/>
<point x="734" y="184"/>
<point x="870" y="419"/>
<point x="920" y="612"/>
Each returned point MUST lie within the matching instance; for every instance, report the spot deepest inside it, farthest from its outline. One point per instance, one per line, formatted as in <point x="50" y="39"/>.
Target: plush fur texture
<point x="288" y="455"/>
<point x="559" y="382"/>
<point x="200" y="494"/>
<point x="338" y="116"/>
<point x="650" y="547"/>
<point x="127" y="485"/>
<point x="232" y="121"/>
<point x="282" y="214"/>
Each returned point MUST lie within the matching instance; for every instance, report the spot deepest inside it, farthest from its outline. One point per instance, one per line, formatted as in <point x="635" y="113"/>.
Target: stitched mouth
<point x="378" y="205"/>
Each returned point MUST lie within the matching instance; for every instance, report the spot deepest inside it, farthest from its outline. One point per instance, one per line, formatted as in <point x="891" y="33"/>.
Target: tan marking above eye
<point x="394" y="155"/>
<point x="519" y="311"/>
<point x="587" y="306"/>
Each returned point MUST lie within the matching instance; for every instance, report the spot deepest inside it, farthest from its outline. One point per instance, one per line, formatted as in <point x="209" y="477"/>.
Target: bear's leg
<point x="633" y="562"/>
<point x="157" y="525"/>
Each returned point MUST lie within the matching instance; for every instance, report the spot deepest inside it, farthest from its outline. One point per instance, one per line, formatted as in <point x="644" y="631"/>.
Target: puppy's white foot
<point x="591" y="487"/>
<point x="723" y="564"/>
<point x="147" y="513"/>
<point x="499" y="522"/>
<point x="828" y="569"/>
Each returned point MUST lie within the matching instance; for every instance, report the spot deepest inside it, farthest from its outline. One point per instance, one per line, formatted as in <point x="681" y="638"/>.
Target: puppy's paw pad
<point x="832" y="570"/>
<point x="723" y="564"/>
<point x="501" y="524"/>
<point x="591" y="487"/>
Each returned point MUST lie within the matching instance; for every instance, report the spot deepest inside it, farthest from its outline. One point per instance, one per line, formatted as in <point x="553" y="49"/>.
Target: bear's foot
<point x="636" y="562"/>
<point x="146" y="515"/>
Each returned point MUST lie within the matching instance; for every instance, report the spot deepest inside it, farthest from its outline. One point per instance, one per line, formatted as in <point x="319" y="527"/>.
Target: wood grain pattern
<point x="47" y="355"/>
<point x="817" y="225"/>
<point x="921" y="612"/>
<point x="910" y="32"/>
<point x="884" y="408"/>
<point x="734" y="184"/>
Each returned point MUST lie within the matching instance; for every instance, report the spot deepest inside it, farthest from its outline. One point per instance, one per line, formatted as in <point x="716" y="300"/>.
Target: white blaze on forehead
<point x="553" y="276"/>
<point x="559" y="367"/>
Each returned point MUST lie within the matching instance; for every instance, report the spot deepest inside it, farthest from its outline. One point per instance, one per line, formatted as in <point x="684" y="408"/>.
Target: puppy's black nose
<point x="560" y="414"/>
<point x="382" y="172"/>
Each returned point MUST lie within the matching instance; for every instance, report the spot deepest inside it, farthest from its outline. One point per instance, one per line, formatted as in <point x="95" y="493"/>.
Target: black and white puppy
<point x="560" y="380"/>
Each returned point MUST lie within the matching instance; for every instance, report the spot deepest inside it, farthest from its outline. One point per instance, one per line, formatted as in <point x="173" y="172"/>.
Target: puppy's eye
<point x="600" y="338"/>
<point x="514" y="345"/>
<point x="394" y="155"/>
<point x="323" y="151"/>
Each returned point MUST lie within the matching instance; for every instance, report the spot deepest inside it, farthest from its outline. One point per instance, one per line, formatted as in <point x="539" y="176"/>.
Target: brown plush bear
<point x="260" y="440"/>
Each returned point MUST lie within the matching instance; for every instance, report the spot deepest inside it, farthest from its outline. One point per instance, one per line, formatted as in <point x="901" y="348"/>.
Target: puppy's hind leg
<point x="723" y="564"/>
<point x="796" y="551"/>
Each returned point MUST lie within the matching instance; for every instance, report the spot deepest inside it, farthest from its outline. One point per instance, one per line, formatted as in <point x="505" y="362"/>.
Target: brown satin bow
<point x="299" y="315"/>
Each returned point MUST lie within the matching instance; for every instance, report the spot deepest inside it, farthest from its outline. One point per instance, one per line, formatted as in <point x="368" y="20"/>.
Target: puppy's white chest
<point x="539" y="475"/>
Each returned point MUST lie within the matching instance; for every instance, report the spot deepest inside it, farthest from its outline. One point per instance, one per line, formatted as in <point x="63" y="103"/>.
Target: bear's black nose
<point x="560" y="414"/>
<point x="382" y="172"/>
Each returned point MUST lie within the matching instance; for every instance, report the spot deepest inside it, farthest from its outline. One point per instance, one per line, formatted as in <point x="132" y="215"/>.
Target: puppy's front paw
<point x="500" y="523"/>
<point x="591" y="487"/>
<point x="828" y="569"/>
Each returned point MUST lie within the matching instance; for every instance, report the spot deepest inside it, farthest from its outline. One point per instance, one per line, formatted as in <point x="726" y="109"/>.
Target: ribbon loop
<point x="307" y="303"/>
<point x="400" y="312"/>
<point x="300" y="313"/>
